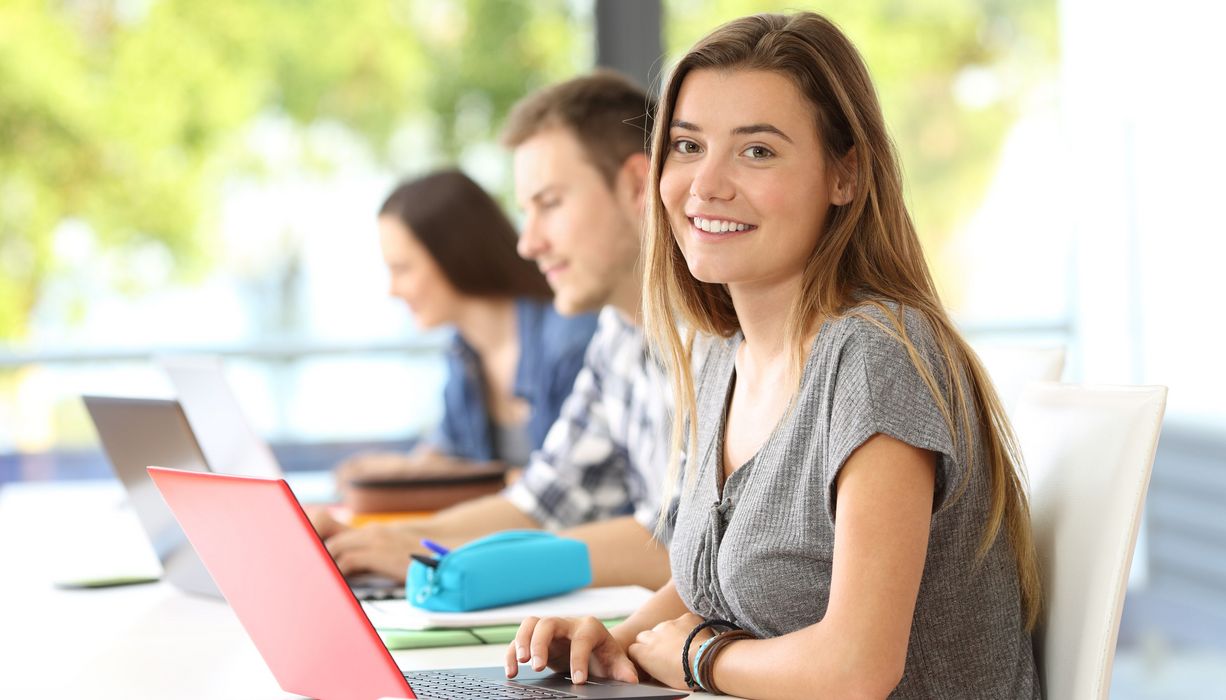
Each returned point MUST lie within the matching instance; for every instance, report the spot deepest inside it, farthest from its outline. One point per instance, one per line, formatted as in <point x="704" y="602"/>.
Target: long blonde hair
<point x="868" y="251"/>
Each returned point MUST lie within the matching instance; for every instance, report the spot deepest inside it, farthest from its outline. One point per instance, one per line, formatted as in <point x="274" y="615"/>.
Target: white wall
<point x="1145" y="138"/>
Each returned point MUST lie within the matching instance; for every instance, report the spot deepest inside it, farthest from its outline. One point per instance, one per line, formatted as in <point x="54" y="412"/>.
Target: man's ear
<point x="632" y="183"/>
<point x="844" y="178"/>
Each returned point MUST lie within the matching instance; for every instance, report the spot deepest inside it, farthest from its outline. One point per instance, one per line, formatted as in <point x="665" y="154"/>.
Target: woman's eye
<point x="758" y="152"/>
<point x="685" y="147"/>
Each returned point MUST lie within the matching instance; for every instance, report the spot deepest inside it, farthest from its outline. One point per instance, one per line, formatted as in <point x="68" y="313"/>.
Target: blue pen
<point x="435" y="547"/>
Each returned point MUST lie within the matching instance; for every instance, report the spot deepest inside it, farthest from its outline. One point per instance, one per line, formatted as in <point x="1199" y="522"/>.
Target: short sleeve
<point x="876" y="388"/>
<point x="579" y="473"/>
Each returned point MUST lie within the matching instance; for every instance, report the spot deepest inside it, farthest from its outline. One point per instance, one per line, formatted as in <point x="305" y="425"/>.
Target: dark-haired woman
<point x="450" y="254"/>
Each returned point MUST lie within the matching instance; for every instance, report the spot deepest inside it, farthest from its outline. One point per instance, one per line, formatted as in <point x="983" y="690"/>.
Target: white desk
<point x="129" y="642"/>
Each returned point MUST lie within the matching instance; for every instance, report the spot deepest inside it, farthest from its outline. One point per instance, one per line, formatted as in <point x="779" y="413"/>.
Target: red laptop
<point x="293" y="602"/>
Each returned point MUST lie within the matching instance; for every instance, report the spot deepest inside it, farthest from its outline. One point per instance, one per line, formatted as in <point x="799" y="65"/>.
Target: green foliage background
<point x="129" y="123"/>
<point x="917" y="50"/>
<point x="127" y="117"/>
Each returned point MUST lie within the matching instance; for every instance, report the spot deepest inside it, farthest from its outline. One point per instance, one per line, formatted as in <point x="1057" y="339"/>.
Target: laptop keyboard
<point x="443" y="685"/>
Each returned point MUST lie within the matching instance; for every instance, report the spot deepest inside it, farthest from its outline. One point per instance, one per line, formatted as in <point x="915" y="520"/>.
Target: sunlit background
<point x="178" y="175"/>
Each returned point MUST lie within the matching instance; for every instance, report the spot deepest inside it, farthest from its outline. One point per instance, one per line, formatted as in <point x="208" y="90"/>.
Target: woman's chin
<point x="707" y="275"/>
<point x="426" y="323"/>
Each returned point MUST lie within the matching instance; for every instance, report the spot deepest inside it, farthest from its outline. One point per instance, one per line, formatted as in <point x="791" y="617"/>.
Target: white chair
<point x="1013" y="367"/>
<point x="1089" y="452"/>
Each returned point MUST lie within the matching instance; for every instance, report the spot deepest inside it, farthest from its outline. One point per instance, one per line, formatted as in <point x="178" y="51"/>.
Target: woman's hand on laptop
<point x="377" y="548"/>
<point x="581" y="646"/>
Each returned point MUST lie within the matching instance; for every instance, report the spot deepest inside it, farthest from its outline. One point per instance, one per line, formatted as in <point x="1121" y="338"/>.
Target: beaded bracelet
<point x="685" y="649"/>
<point x="704" y="675"/>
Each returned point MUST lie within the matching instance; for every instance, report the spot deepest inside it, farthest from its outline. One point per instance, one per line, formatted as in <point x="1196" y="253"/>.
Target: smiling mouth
<point x="553" y="270"/>
<point x="719" y="225"/>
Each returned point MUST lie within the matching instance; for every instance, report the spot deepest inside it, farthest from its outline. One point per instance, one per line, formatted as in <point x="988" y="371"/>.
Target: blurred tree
<point x="470" y="49"/>
<point x="122" y="118"/>
<point x="126" y="117"/>
<point x="952" y="76"/>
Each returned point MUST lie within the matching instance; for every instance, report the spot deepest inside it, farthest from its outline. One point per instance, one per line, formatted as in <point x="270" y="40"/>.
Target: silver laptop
<point x="136" y="433"/>
<point x="227" y="437"/>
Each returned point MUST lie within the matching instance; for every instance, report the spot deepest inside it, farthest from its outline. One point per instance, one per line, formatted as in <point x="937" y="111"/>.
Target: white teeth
<point x="718" y="226"/>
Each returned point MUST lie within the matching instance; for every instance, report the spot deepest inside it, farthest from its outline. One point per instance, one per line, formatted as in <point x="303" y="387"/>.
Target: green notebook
<point x="423" y="639"/>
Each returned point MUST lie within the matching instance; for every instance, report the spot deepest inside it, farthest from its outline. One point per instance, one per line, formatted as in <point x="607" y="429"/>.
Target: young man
<point x="581" y="170"/>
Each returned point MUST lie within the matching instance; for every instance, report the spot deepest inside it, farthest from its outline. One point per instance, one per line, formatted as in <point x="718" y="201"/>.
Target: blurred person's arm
<point x="385" y="548"/>
<point x="582" y="481"/>
<point x="622" y="552"/>
<point x="578" y="482"/>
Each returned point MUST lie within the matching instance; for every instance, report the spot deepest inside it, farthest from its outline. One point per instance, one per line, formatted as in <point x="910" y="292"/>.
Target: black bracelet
<point x="685" y="650"/>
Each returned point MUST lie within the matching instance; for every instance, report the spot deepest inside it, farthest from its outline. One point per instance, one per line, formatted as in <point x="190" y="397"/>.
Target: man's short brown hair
<point x="606" y="111"/>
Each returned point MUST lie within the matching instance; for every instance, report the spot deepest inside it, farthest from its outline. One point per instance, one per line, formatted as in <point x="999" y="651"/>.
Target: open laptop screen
<point x="279" y="579"/>
<point x="226" y="436"/>
<point x="136" y="433"/>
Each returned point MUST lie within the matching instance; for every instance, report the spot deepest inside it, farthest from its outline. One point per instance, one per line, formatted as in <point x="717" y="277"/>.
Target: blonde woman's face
<point x="745" y="183"/>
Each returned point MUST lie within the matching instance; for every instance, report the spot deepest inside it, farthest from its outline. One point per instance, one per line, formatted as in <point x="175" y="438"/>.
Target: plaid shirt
<point x="551" y="352"/>
<point x="607" y="454"/>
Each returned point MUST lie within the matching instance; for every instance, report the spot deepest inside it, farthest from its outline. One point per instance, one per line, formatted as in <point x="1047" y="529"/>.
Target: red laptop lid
<point x="281" y="583"/>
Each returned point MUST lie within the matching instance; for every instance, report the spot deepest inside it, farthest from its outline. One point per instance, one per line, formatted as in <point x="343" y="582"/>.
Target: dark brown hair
<point x="607" y="112"/>
<point x="467" y="234"/>
<point x="867" y="252"/>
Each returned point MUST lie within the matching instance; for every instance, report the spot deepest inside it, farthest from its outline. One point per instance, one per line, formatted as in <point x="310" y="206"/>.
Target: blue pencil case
<point x="505" y="568"/>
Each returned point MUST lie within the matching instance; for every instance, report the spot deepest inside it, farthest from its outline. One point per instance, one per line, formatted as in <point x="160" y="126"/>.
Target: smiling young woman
<point x="852" y="520"/>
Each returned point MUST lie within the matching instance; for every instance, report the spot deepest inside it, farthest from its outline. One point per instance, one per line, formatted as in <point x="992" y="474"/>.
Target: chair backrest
<point x="1013" y="367"/>
<point x="1089" y="452"/>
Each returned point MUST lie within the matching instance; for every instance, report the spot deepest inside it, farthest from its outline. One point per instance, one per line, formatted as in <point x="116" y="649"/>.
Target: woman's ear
<point x="844" y="179"/>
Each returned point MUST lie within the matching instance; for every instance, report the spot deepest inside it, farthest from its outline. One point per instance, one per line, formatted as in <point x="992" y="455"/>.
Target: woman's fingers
<point x="570" y="645"/>
<point x="617" y="665"/>
<point x="542" y="638"/>
<point x="519" y="646"/>
<point x="588" y="634"/>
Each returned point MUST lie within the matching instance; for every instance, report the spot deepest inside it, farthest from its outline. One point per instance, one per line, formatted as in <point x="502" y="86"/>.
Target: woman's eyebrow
<point x="761" y="129"/>
<point x="738" y="131"/>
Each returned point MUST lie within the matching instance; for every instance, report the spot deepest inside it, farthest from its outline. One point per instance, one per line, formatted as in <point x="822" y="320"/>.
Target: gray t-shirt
<point x="760" y="552"/>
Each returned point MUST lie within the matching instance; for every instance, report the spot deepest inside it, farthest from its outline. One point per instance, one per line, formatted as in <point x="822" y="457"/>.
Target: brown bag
<point x="428" y="490"/>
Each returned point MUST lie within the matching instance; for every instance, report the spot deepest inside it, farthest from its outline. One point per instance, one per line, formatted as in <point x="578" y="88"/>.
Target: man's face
<point x="583" y="234"/>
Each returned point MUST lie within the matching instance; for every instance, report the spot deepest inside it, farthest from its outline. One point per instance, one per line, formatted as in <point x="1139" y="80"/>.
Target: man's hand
<point x="379" y="548"/>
